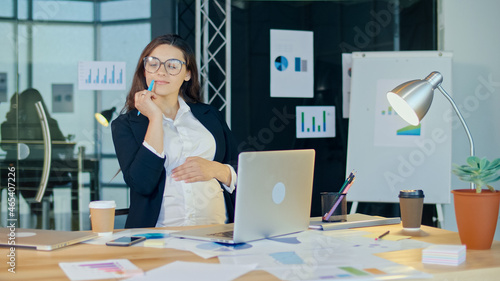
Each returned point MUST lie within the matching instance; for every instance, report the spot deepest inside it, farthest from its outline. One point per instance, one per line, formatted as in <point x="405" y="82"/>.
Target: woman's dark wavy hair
<point x="189" y="91"/>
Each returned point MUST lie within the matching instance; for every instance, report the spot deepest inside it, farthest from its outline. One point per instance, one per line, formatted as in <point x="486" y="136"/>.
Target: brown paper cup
<point x="102" y="217"/>
<point x="411" y="204"/>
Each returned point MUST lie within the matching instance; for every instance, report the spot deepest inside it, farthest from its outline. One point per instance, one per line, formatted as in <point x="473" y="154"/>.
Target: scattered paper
<point x="194" y="271"/>
<point x="326" y="263"/>
<point x="299" y="256"/>
<point x="104" y="269"/>
<point x="325" y="255"/>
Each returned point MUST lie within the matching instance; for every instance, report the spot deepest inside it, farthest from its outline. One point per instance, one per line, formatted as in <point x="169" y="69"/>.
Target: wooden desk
<point x="39" y="265"/>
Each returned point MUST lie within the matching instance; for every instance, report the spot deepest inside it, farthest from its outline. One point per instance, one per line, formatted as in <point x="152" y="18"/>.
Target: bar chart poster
<point x="315" y="121"/>
<point x="292" y="64"/>
<point x="101" y="75"/>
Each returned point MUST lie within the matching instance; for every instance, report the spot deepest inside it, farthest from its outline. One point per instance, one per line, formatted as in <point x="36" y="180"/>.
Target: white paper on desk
<point x="128" y="232"/>
<point x="187" y="271"/>
<point x="302" y="240"/>
<point x="326" y="263"/>
<point x="293" y="242"/>
<point x="354" y="239"/>
<point x="104" y="269"/>
<point x="345" y="239"/>
<point x="331" y="254"/>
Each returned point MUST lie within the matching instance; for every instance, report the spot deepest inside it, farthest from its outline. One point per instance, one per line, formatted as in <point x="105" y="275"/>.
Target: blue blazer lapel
<point x="138" y="124"/>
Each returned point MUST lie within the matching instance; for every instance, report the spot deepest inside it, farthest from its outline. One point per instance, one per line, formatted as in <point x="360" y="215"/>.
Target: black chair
<point x="121" y="218"/>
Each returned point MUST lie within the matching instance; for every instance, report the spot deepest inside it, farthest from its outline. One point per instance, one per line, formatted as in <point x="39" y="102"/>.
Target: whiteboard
<point x="387" y="155"/>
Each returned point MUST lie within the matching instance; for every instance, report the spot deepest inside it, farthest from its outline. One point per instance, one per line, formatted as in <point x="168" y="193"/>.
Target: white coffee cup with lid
<point x="102" y="216"/>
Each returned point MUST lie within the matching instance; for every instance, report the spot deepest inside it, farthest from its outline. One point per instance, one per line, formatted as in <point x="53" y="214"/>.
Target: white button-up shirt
<point x="189" y="203"/>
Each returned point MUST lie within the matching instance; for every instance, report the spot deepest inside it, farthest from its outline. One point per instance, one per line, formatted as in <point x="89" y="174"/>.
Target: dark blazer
<point x="144" y="171"/>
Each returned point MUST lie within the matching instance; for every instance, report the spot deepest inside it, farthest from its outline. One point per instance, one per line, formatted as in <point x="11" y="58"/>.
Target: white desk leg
<point x="354" y="207"/>
<point x="440" y="216"/>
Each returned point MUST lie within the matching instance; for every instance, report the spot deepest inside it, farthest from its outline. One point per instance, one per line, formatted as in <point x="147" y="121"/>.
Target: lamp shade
<point x="105" y="116"/>
<point x="412" y="99"/>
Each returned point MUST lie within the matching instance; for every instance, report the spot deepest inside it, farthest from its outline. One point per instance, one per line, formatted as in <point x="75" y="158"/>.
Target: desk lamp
<point x="412" y="99"/>
<point x="105" y="116"/>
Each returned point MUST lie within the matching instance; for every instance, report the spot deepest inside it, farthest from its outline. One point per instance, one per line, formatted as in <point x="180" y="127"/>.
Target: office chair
<point x="121" y="218"/>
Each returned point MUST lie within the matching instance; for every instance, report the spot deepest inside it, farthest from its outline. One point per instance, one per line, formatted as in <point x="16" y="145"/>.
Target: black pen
<point x="382" y="235"/>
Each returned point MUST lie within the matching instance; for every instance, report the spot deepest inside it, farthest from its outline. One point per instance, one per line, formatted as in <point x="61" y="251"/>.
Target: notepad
<point x="444" y="254"/>
<point x="155" y="243"/>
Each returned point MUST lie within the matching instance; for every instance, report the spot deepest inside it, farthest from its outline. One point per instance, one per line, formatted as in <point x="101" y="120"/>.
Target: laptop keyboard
<point x="228" y="234"/>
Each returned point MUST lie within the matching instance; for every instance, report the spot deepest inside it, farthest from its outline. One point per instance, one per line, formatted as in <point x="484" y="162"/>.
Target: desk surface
<point x="39" y="265"/>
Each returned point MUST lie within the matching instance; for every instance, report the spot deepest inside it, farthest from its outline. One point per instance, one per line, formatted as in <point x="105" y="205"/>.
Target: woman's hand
<point x="144" y="102"/>
<point x="199" y="169"/>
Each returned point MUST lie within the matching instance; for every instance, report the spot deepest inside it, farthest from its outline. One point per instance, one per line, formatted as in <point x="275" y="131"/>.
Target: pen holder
<point x="328" y="199"/>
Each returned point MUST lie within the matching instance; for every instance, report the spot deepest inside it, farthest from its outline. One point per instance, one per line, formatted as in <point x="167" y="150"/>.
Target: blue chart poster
<point x="101" y="75"/>
<point x="292" y="55"/>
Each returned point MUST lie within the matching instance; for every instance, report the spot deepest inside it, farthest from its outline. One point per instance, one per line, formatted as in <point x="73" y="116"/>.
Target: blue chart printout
<point x="101" y="75"/>
<point x="315" y="121"/>
<point x="292" y="64"/>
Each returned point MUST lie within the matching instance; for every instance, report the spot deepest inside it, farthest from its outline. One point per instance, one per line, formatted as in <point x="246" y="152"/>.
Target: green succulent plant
<point x="479" y="171"/>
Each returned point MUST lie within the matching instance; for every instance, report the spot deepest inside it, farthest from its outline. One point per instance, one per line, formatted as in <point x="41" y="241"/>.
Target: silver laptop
<point x="273" y="197"/>
<point x="41" y="239"/>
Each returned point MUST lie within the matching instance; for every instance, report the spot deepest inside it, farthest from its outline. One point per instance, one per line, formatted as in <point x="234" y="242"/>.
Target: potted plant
<point x="476" y="210"/>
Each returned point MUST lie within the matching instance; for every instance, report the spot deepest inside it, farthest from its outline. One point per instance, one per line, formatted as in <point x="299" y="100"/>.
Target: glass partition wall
<point x="43" y="43"/>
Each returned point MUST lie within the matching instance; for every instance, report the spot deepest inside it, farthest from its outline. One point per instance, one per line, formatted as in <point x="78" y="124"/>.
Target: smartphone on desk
<point x="125" y="241"/>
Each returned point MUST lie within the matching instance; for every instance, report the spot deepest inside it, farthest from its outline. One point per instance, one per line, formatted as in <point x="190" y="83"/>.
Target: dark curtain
<point x="264" y="123"/>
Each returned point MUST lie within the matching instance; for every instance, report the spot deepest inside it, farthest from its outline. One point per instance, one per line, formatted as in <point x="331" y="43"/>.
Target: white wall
<point x="469" y="29"/>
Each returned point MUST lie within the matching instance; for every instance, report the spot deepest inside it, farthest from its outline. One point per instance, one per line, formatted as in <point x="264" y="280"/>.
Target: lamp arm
<point x="471" y="142"/>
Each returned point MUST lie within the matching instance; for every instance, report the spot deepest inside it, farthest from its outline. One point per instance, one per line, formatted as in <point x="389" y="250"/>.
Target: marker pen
<point x="150" y="88"/>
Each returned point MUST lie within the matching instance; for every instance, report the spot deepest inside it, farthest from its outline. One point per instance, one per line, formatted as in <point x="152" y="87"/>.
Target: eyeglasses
<point x="172" y="66"/>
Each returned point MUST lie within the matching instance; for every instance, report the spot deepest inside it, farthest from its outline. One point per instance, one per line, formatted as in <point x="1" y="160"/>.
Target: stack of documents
<point x="444" y="254"/>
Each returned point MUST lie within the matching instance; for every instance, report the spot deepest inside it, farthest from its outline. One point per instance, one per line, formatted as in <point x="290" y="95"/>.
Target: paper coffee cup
<point x="102" y="217"/>
<point x="411" y="204"/>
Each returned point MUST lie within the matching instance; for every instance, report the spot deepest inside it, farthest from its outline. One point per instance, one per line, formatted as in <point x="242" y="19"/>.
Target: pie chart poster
<point x="292" y="64"/>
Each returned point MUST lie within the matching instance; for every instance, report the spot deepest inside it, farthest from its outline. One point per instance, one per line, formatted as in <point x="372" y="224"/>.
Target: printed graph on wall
<point x="101" y="75"/>
<point x="292" y="64"/>
<point x="315" y="121"/>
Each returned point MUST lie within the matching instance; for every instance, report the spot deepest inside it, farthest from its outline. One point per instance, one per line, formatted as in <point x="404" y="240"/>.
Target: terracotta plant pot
<point x="477" y="215"/>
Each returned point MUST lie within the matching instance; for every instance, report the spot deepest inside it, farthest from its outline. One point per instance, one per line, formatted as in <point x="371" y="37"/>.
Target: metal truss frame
<point x="213" y="52"/>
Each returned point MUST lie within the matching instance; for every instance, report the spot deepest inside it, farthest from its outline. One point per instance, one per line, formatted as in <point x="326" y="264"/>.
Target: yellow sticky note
<point x="156" y="243"/>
